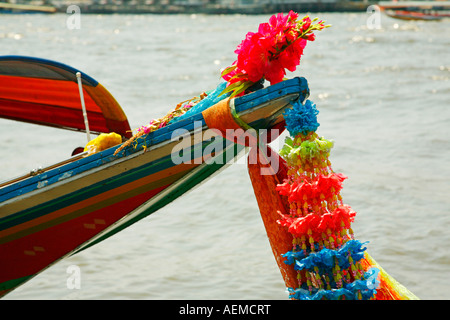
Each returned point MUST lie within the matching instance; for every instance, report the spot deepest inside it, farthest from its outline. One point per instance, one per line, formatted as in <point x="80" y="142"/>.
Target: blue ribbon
<point x="325" y="259"/>
<point x="366" y="287"/>
<point x="301" y="118"/>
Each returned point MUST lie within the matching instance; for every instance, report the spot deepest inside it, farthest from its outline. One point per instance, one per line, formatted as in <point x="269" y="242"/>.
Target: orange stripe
<point x="219" y="117"/>
<point x="110" y="107"/>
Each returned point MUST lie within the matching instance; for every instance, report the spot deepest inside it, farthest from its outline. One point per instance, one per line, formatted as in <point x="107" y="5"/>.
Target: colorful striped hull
<point x="70" y="207"/>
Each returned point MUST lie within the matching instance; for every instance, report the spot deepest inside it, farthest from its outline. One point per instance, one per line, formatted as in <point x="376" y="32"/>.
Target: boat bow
<point x="70" y="206"/>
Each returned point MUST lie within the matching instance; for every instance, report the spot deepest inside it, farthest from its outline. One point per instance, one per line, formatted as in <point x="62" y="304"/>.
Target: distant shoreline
<point x="337" y="6"/>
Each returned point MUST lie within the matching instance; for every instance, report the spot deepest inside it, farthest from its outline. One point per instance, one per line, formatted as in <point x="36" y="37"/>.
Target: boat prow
<point x="72" y="205"/>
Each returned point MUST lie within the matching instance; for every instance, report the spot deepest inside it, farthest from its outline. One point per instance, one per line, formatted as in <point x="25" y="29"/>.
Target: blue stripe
<point x="95" y="160"/>
<point x="50" y="64"/>
<point x="297" y="85"/>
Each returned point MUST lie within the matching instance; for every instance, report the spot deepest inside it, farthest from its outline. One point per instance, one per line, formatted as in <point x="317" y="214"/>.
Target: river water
<point x="383" y="96"/>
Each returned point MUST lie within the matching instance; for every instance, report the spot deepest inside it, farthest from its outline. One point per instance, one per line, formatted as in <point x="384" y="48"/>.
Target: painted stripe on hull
<point x="157" y="145"/>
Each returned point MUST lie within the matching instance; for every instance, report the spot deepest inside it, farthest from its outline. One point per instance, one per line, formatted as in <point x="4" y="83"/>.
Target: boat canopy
<point x="46" y="92"/>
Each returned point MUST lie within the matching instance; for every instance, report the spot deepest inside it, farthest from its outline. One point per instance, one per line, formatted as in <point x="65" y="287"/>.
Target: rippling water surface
<point x="383" y="96"/>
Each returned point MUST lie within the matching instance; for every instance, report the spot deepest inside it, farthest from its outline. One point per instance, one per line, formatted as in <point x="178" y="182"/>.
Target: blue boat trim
<point x="50" y="65"/>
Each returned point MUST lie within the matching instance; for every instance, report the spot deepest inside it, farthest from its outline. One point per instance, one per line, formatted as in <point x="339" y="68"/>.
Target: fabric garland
<point x="324" y="252"/>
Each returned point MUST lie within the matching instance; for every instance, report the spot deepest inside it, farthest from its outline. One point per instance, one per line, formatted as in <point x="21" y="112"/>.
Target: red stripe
<point x="45" y="91"/>
<point x="50" y="115"/>
<point x="29" y="255"/>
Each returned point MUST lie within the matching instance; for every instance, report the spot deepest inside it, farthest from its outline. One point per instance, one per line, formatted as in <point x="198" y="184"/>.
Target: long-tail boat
<point x="121" y="178"/>
<point x="416" y="10"/>
<point x="57" y="211"/>
<point x="17" y="8"/>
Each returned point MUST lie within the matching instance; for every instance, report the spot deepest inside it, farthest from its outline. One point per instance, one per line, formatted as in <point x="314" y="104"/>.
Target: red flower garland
<point x="266" y="54"/>
<point x="324" y="186"/>
<point x="316" y="225"/>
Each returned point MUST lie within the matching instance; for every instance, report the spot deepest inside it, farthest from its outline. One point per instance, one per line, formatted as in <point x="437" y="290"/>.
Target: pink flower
<point x="267" y="54"/>
<point x="290" y="57"/>
<point x="306" y="24"/>
<point x="274" y="71"/>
